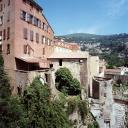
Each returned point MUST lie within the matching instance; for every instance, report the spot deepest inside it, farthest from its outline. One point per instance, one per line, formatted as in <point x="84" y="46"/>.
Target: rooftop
<point x="113" y="71"/>
<point x="71" y="55"/>
<point x="33" y="2"/>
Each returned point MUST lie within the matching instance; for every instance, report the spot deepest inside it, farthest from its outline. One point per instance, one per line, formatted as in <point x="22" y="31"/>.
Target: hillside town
<point x="30" y="49"/>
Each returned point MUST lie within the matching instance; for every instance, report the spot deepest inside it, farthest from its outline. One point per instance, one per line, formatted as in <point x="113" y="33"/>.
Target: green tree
<point x="66" y="83"/>
<point x="40" y="111"/>
<point x="10" y="109"/>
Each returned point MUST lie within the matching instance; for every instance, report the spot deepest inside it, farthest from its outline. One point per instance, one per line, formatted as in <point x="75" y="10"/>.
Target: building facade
<point x="25" y="37"/>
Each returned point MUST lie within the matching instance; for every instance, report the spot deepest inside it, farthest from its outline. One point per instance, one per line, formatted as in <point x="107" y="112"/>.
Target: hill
<point x="92" y="38"/>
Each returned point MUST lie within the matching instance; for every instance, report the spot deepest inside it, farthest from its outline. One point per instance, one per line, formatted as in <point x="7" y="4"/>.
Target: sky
<point x="102" y="17"/>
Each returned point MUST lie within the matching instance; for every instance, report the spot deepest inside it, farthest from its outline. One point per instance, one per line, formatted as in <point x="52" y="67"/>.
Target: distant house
<point x="118" y="74"/>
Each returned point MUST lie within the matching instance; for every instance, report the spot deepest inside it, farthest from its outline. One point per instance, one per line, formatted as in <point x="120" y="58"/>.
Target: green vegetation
<point x="34" y="108"/>
<point x="92" y="38"/>
<point x="66" y="83"/>
<point x="94" y="125"/>
<point x="112" y="60"/>
<point x="10" y="111"/>
<point x="120" y="89"/>
<point x="41" y="111"/>
<point x="83" y="110"/>
<point x="72" y="106"/>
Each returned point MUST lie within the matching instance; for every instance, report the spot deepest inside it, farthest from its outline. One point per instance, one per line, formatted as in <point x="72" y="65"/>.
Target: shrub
<point x="83" y="109"/>
<point x="66" y="83"/>
<point x="41" y="112"/>
<point x="72" y="105"/>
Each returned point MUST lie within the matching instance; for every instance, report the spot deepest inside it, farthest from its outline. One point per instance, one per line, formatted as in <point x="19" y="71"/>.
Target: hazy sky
<point x="86" y="16"/>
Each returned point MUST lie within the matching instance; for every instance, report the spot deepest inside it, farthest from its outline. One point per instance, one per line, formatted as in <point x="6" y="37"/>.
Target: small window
<point x="1" y="7"/>
<point x="31" y="19"/>
<point x="8" y="2"/>
<point x="46" y="40"/>
<point x="8" y="33"/>
<point x="25" y="33"/>
<point x="60" y="62"/>
<point x="4" y="34"/>
<point x="35" y="21"/>
<point x="105" y="95"/>
<point x="0" y="49"/>
<point x="50" y="42"/>
<point x="25" y="49"/>
<point x="37" y="37"/>
<point x="8" y="16"/>
<point x="31" y="35"/>
<point x="23" y="15"/>
<point x="43" y="25"/>
<point x="1" y="20"/>
<point x="43" y="51"/>
<point x="51" y="65"/>
<point x="39" y="23"/>
<point x="0" y="35"/>
<point x="8" y="48"/>
<point x="43" y="40"/>
<point x="24" y="1"/>
<point x="46" y="77"/>
<point x="19" y="89"/>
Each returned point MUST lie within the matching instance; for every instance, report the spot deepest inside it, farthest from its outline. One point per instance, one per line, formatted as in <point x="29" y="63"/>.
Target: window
<point x="8" y="2"/>
<point x="35" y="21"/>
<point x="39" y="23"/>
<point x="24" y="1"/>
<point x="43" y="26"/>
<point x="1" y="8"/>
<point x="105" y="95"/>
<point x="46" y="40"/>
<point x="0" y="35"/>
<point x="43" y="40"/>
<point x="50" y="42"/>
<point x="25" y="49"/>
<point x="51" y="65"/>
<point x="37" y="37"/>
<point x="29" y="18"/>
<point x="8" y="32"/>
<point x="8" y="48"/>
<point x="31" y="35"/>
<point x="60" y="62"/>
<point x="4" y="34"/>
<point x="8" y="16"/>
<point x="23" y="15"/>
<point x="47" y="28"/>
<point x="43" y="51"/>
<point x="0" y="49"/>
<point x="25" y="33"/>
<point x="0" y="38"/>
<point x="1" y="20"/>
<point x="46" y="77"/>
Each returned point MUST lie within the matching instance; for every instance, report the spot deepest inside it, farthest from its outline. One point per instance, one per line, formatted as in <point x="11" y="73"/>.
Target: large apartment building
<point x="25" y="36"/>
